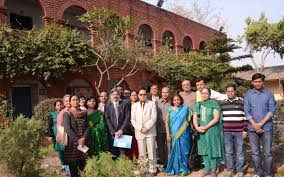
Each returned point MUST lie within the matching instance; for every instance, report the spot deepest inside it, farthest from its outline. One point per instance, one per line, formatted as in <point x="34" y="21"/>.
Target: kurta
<point x="99" y="133"/>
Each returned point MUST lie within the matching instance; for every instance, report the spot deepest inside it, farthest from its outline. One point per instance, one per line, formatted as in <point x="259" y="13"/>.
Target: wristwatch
<point x="260" y="125"/>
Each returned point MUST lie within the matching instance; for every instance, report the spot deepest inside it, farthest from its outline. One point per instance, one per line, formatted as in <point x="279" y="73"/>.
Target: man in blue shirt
<point x="260" y="107"/>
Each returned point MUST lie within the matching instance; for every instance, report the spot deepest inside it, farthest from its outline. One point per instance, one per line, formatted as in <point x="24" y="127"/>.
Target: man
<point x="235" y="130"/>
<point x="103" y="100"/>
<point x="127" y="93"/>
<point x="260" y="107"/>
<point x="117" y="116"/>
<point x="162" y="105"/>
<point x="143" y="119"/>
<point x="188" y="96"/>
<point x="200" y="85"/>
<point x="154" y="93"/>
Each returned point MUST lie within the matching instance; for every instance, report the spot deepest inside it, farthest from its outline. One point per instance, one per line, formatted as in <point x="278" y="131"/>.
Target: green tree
<point x="262" y="36"/>
<point x="112" y="50"/>
<point x="46" y="53"/>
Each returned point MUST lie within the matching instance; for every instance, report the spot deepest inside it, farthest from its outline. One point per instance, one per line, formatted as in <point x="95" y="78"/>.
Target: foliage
<point x="265" y="37"/>
<point x="19" y="146"/>
<point x="46" y="53"/>
<point x="43" y="151"/>
<point x="6" y="109"/>
<point x="112" y="50"/>
<point x="42" y="110"/>
<point x="50" y="172"/>
<point x="105" y="166"/>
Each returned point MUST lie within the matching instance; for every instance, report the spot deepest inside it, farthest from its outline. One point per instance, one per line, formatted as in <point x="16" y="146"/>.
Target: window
<point x="21" y="22"/>
<point x="187" y="44"/>
<point x="145" y="36"/>
<point x="169" y="39"/>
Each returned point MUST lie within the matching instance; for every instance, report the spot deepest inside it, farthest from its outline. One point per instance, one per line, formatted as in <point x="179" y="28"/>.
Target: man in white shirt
<point x="200" y="85"/>
<point x="103" y="100"/>
<point x="143" y="119"/>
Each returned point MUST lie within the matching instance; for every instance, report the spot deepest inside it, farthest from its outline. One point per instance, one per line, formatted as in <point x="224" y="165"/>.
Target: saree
<point x="99" y="133"/>
<point x="181" y="140"/>
<point x="211" y="142"/>
<point x="54" y="116"/>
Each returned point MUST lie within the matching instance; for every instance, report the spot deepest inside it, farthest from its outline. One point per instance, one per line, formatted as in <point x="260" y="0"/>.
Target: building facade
<point x="155" y="24"/>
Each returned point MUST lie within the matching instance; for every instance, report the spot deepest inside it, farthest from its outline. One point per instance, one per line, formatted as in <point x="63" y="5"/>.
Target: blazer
<point x="70" y="127"/>
<point x="146" y="119"/>
<point x="123" y="117"/>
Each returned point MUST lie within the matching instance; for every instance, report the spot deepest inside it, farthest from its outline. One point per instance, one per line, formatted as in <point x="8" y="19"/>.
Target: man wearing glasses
<point x="143" y="119"/>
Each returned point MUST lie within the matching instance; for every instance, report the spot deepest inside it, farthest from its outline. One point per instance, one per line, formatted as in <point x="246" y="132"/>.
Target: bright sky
<point x="235" y="12"/>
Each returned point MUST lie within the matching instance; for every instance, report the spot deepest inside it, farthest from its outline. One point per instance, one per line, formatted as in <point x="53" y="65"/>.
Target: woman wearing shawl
<point x="207" y="121"/>
<point x="178" y="133"/>
<point x="98" y="128"/>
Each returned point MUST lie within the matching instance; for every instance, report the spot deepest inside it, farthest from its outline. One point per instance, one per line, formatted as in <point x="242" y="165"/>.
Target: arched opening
<point x="24" y="14"/>
<point x="187" y="44"/>
<point x="169" y="39"/>
<point x="145" y="35"/>
<point x="202" y="45"/>
<point x="70" y="16"/>
<point x="80" y="87"/>
<point x="27" y="93"/>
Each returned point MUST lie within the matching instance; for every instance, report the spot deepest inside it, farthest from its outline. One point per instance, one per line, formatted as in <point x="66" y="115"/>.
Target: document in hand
<point x="82" y="148"/>
<point x="124" y="141"/>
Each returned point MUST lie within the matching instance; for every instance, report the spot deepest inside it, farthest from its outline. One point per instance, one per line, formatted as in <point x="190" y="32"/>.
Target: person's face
<point x="120" y="90"/>
<point x="176" y="101"/>
<point x="58" y="106"/>
<point x="103" y="97"/>
<point x="142" y="95"/>
<point x="186" y="86"/>
<point x="134" y="97"/>
<point x="257" y="83"/>
<point x="231" y="92"/>
<point x="74" y="102"/>
<point x="82" y="101"/>
<point x="66" y="102"/>
<point x="200" y="85"/>
<point x="205" y="95"/>
<point x="91" y="103"/>
<point x="115" y="96"/>
<point x="126" y="93"/>
<point x="154" y="90"/>
<point x="165" y="93"/>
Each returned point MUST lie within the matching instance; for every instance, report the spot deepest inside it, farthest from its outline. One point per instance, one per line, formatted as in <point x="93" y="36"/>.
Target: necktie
<point x="116" y="112"/>
<point x="142" y="105"/>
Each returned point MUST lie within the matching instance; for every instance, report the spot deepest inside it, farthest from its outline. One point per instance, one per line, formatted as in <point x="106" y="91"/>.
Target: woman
<point x="98" y="128"/>
<point x="52" y="129"/>
<point x="133" y="97"/>
<point x="207" y="121"/>
<point x="133" y="153"/>
<point x="178" y="133"/>
<point x="76" y="127"/>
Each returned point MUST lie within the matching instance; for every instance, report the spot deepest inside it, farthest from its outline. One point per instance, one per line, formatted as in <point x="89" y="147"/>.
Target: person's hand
<point x="144" y="130"/>
<point x="118" y="133"/>
<point x="200" y="130"/>
<point x="256" y="127"/>
<point x="81" y="141"/>
<point x="259" y="131"/>
<point x="203" y="128"/>
<point x="169" y="137"/>
<point x="245" y="134"/>
<point x="50" y="139"/>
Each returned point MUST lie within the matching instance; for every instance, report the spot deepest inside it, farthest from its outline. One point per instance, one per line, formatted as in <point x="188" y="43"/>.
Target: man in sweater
<point x="235" y="130"/>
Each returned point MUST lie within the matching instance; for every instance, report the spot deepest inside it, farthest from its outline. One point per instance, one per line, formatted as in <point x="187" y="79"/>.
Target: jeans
<point x="266" y="139"/>
<point x="234" y="140"/>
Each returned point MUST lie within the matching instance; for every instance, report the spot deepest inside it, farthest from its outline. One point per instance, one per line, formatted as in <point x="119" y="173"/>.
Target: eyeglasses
<point x="126" y="93"/>
<point x="142" y="94"/>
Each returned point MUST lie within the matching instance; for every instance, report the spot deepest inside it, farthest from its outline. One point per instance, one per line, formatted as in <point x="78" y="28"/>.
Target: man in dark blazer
<point x="117" y="116"/>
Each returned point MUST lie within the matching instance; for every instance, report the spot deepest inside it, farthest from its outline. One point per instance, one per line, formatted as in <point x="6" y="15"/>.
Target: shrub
<point x="105" y="166"/>
<point x="19" y="146"/>
<point x="6" y="110"/>
<point x="42" y="110"/>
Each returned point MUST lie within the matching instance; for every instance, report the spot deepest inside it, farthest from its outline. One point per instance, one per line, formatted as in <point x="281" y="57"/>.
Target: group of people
<point x="170" y="129"/>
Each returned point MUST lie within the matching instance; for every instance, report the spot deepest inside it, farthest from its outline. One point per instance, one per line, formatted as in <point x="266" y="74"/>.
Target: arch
<point x="169" y="39"/>
<point x="202" y="45"/>
<point x="71" y="3"/>
<point x="25" y="14"/>
<point x="80" y="87"/>
<point x="187" y="44"/>
<point x="145" y="35"/>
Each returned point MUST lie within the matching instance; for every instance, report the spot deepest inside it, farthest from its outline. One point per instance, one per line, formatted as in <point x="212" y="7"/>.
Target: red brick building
<point x="154" y="23"/>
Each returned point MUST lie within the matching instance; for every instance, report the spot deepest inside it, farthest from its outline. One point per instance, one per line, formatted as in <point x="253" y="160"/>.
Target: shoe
<point x="230" y="174"/>
<point x="255" y="176"/>
<point x="205" y="173"/>
<point x="240" y="174"/>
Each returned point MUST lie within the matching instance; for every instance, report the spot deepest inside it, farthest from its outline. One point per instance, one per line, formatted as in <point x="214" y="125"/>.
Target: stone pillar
<point x="156" y="46"/>
<point x="3" y="16"/>
<point x="129" y="39"/>
<point x="178" y="49"/>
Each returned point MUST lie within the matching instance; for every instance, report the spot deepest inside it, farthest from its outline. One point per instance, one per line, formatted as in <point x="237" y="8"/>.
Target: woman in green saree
<point x="98" y="128"/>
<point x="207" y="120"/>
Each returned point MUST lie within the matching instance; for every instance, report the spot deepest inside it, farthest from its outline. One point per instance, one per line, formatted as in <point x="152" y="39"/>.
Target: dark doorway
<point x="21" y="101"/>
<point x="21" y="22"/>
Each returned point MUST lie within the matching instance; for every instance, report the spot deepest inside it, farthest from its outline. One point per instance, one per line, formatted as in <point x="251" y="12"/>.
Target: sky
<point x="234" y="12"/>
